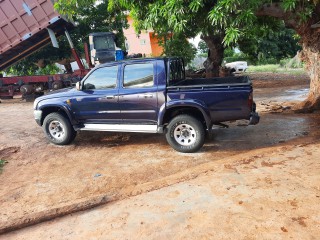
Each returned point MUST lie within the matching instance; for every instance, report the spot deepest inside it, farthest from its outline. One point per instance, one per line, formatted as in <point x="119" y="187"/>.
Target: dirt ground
<point x="261" y="180"/>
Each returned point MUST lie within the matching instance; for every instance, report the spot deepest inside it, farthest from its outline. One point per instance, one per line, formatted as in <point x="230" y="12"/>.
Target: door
<point x="98" y="102"/>
<point x="138" y="94"/>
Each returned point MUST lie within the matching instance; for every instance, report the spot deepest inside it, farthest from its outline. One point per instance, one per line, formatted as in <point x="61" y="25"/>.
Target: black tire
<point x="185" y="134"/>
<point x="58" y="129"/>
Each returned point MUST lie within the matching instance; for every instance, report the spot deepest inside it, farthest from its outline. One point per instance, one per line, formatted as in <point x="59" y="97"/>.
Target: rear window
<point x="176" y="71"/>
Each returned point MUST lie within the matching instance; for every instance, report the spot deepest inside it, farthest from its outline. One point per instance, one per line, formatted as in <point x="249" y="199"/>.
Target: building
<point x="145" y="43"/>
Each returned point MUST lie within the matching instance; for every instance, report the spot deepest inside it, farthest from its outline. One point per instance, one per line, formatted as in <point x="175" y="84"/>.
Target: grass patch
<point x="2" y="163"/>
<point x="275" y="68"/>
<point x="263" y="68"/>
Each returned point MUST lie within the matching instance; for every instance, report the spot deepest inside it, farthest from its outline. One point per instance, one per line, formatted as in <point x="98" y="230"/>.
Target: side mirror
<point x="78" y="86"/>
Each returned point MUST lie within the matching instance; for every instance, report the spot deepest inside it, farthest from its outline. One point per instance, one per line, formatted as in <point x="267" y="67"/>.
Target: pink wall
<point x="137" y="45"/>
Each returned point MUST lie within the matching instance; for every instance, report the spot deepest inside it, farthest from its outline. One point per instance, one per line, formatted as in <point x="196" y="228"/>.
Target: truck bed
<point x="225" y="98"/>
<point x="211" y="82"/>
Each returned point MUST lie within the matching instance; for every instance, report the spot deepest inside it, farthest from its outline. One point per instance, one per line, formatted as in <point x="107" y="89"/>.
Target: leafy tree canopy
<point x="175" y="44"/>
<point x="202" y="47"/>
<point x="237" y="17"/>
<point x="178" y="45"/>
<point x="275" y="45"/>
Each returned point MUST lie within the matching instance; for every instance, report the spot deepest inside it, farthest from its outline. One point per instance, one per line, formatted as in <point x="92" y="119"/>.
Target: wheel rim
<point x="56" y="130"/>
<point x="185" y="134"/>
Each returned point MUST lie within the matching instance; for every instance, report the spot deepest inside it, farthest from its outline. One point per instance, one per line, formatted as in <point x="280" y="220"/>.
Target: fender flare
<point x="185" y="103"/>
<point x="64" y="108"/>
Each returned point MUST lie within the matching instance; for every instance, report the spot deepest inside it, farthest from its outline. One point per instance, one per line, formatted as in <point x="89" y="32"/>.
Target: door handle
<point x="110" y="97"/>
<point x="146" y="95"/>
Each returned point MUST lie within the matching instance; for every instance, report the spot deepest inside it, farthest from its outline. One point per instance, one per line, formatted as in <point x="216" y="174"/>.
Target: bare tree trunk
<point x="215" y="54"/>
<point x="311" y="57"/>
<point x="310" y="41"/>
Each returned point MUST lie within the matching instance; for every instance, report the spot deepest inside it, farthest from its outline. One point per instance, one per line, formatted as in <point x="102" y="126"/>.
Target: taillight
<point x="250" y="100"/>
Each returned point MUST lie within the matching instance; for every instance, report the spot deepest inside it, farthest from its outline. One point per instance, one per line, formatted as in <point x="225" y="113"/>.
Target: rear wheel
<point x="58" y="129"/>
<point x="185" y="134"/>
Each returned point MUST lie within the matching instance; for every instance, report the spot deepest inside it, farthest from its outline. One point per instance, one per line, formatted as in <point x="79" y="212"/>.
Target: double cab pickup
<point x="147" y="96"/>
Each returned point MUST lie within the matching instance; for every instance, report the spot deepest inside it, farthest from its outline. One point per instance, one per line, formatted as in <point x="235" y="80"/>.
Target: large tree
<point x="184" y="18"/>
<point x="298" y="15"/>
<point x="179" y="17"/>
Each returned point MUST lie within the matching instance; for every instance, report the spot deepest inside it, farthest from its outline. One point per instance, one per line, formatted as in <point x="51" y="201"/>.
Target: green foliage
<point x="232" y="36"/>
<point x="25" y="68"/>
<point x="263" y="61"/>
<point x="177" y="16"/>
<point x="236" y="17"/>
<point x="187" y="21"/>
<point x="229" y="52"/>
<point x="275" y="68"/>
<point x="231" y="56"/>
<point x="22" y="68"/>
<point x="70" y="7"/>
<point x="182" y="25"/>
<point x="291" y="63"/>
<point x="96" y="18"/>
<point x="271" y="46"/>
<point x="202" y="47"/>
<point x="289" y="5"/>
<point x="239" y="19"/>
<point x="178" y="46"/>
<point x="264" y="68"/>
<point x="236" y="21"/>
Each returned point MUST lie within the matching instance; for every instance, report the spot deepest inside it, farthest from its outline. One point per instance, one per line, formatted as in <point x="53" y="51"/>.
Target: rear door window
<point x="138" y="75"/>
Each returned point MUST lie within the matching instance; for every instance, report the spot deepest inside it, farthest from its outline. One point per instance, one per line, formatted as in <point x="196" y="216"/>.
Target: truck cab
<point x="102" y="47"/>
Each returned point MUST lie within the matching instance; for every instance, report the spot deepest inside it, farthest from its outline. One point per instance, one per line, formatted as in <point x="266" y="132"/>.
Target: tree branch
<point x="272" y="10"/>
<point x="275" y="10"/>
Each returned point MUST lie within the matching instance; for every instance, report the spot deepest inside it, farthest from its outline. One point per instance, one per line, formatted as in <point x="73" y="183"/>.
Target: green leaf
<point x="289" y="5"/>
<point x="195" y="5"/>
<point x="232" y="36"/>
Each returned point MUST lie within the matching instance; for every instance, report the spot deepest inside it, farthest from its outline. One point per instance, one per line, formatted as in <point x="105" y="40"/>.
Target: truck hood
<point x="61" y="93"/>
<point x="65" y="92"/>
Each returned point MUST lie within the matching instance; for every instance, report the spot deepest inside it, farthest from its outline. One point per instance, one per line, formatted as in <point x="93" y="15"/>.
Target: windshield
<point x="104" y="42"/>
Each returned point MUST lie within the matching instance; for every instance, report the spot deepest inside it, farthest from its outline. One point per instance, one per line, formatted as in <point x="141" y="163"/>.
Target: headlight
<point x="35" y="104"/>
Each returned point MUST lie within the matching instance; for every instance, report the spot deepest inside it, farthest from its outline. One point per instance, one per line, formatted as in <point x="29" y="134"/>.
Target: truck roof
<point x="166" y="59"/>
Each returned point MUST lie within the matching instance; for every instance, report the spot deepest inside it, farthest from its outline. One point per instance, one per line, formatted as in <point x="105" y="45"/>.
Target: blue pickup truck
<point x="147" y="96"/>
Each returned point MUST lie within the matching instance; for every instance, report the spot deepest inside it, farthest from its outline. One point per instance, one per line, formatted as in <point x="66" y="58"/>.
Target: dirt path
<point x="42" y="179"/>
<point x="269" y="194"/>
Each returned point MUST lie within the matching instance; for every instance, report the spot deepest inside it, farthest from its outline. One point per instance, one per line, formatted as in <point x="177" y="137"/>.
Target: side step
<point x="219" y="125"/>
<point x="121" y="128"/>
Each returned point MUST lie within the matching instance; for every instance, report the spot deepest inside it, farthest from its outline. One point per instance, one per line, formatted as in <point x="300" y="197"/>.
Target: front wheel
<point x="185" y="134"/>
<point x="58" y="129"/>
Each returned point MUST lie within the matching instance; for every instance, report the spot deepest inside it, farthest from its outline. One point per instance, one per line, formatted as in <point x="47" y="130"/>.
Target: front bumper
<point x="37" y="116"/>
<point x="254" y="118"/>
